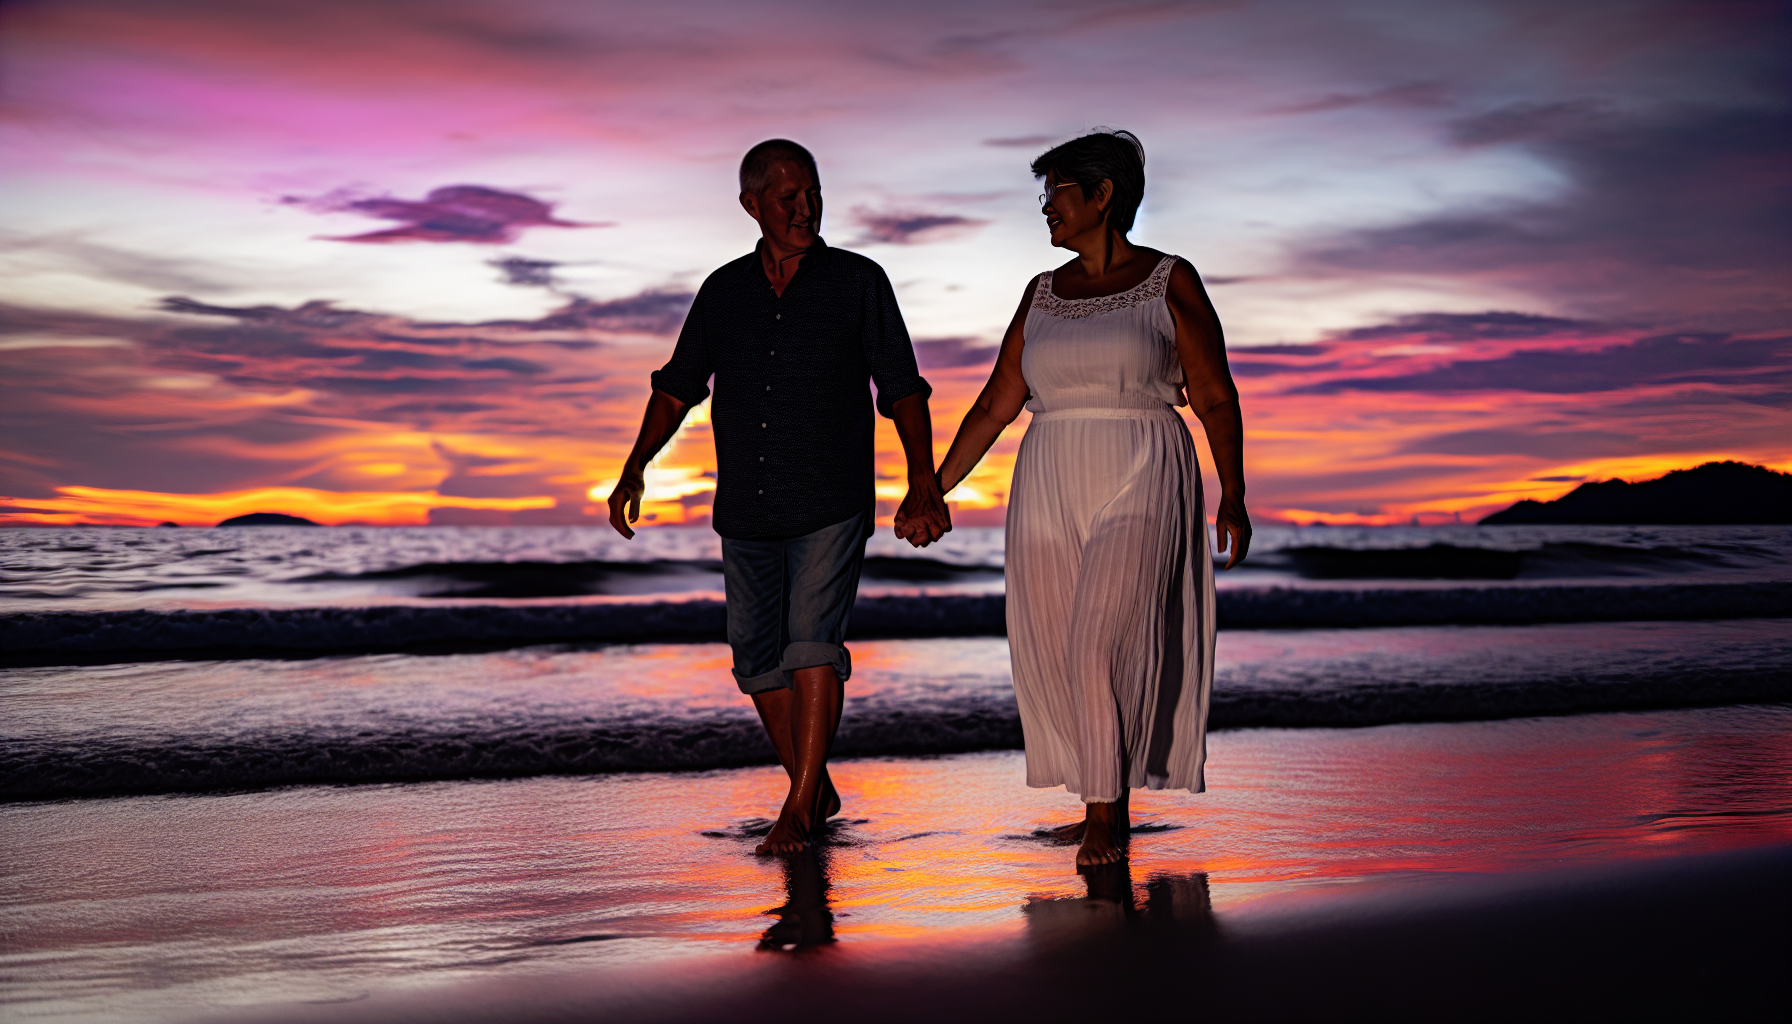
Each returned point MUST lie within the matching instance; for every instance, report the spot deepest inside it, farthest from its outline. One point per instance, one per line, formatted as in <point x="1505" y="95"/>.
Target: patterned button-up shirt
<point x="793" y="410"/>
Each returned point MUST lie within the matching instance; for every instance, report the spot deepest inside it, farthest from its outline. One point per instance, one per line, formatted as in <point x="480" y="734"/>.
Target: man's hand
<point x="627" y="498"/>
<point x="1233" y="525"/>
<point x="923" y="517"/>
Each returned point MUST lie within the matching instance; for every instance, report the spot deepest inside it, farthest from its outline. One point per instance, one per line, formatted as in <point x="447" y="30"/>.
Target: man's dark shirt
<point x="792" y="415"/>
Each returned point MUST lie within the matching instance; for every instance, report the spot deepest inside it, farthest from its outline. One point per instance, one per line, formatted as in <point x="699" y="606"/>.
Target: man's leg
<point x="823" y="573"/>
<point x="754" y="573"/>
<point x="816" y="696"/>
<point x="775" y="713"/>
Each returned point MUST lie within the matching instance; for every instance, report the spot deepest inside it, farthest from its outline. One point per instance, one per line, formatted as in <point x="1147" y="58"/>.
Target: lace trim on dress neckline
<point x="1154" y="286"/>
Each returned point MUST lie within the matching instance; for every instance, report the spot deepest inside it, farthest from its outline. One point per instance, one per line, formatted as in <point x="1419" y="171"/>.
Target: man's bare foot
<point x="1071" y="833"/>
<point x="1105" y="834"/>
<point x="793" y="833"/>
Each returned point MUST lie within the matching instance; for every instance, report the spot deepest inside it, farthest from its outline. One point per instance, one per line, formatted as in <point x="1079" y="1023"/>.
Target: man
<point x="792" y="333"/>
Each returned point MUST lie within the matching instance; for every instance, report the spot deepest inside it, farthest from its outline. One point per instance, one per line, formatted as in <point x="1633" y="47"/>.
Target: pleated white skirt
<point x="1110" y="602"/>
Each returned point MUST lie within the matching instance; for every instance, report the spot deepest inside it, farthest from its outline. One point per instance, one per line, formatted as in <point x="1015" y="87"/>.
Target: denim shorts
<point x="788" y="601"/>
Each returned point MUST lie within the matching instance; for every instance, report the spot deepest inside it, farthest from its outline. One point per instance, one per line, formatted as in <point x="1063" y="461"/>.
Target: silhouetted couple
<point x="1109" y="573"/>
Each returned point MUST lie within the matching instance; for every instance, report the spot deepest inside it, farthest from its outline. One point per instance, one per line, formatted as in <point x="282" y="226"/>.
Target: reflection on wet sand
<point x="805" y="920"/>
<point x="1179" y="901"/>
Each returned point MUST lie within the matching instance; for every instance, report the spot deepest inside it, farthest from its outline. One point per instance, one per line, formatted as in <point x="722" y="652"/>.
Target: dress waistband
<point x="1106" y="414"/>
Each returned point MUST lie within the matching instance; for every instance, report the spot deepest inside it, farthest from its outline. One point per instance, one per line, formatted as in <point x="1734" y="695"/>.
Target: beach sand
<point x="1622" y="865"/>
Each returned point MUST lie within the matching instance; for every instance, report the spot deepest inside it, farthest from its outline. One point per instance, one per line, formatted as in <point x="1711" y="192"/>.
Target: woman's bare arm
<point x="1001" y="401"/>
<point x="1213" y="397"/>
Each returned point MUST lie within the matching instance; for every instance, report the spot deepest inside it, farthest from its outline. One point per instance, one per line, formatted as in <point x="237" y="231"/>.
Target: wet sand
<point x="1580" y="864"/>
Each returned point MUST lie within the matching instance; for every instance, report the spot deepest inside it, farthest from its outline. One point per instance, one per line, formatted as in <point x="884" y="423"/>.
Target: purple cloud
<point x="526" y="272"/>
<point x="1679" y="217"/>
<point x="1491" y="326"/>
<point x="452" y="213"/>
<point x="1665" y="359"/>
<point x="907" y="228"/>
<point x="1412" y="94"/>
<point x="1545" y="444"/>
<point x="650" y="312"/>
<point x="951" y="353"/>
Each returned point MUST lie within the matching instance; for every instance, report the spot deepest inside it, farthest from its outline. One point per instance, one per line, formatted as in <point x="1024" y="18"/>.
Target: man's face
<point x="789" y="209"/>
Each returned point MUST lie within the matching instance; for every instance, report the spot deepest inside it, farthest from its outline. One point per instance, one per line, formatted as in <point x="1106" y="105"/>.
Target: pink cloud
<point x="910" y="227"/>
<point x="452" y="213"/>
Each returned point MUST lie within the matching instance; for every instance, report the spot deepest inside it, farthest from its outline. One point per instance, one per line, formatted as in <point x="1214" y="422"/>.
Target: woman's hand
<point x="923" y="517"/>
<point x="1233" y="524"/>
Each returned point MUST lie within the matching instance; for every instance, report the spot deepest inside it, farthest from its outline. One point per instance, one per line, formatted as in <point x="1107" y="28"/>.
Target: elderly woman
<point x="1110" y="577"/>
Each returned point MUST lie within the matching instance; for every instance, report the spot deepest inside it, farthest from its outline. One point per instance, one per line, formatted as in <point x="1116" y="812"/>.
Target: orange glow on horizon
<point x="101" y="506"/>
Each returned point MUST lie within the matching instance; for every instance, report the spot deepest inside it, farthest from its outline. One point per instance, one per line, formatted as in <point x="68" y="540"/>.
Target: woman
<point x="1110" y="578"/>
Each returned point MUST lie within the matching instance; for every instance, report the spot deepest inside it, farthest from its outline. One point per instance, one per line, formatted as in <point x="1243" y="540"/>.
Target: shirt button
<point x="778" y="316"/>
<point x="761" y="426"/>
<point x="774" y="352"/>
<point x="768" y="387"/>
<point x="761" y="492"/>
<point x="761" y="458"/>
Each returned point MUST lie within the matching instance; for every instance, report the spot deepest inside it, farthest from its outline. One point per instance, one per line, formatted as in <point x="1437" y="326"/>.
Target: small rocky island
<point x="267" y="519"/>
<point x="1717" y="493"/>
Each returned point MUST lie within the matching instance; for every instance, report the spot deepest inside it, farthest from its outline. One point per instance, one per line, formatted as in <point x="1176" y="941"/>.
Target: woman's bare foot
<point x="1107" y="828"/>
<point x="830" y="797"/>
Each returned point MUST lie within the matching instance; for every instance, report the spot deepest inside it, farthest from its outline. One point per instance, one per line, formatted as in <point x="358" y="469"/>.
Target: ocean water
<point x="177" y="660"/>
<point x="242" y="766"/>
<point x="122" y="568"/>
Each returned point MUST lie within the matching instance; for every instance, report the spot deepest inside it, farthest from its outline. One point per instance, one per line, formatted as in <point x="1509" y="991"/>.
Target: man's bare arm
<point x="923" y="515"/>
<point x="658" y="424"/>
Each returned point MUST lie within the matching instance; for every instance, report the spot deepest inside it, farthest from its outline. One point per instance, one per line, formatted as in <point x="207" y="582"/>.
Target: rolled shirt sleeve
<point x="888" y="350"/>
<point x="686" y="375"/>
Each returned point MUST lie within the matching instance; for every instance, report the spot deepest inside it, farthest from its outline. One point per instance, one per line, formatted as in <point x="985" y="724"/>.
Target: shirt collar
<point x="816" y="253"/>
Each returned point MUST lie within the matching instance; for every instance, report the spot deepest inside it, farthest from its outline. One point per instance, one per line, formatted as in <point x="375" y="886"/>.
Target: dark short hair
<point x="756" y="166"/>
<point x="1113" y="154"/>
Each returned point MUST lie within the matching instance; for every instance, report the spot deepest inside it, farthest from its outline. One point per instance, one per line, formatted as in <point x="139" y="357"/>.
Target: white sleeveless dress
<point x="1110" y="578"/>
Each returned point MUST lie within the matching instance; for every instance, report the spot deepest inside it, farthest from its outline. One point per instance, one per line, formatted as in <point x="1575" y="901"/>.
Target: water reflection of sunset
<point x="354" y="882"/>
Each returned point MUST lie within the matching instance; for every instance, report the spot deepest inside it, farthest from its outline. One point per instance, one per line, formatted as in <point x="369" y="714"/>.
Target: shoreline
<point x="1670" y="939"/>
<point x="548" y="898"/>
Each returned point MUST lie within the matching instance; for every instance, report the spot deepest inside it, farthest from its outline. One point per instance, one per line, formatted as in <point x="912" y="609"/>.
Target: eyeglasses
<point x="1046" y="196"/>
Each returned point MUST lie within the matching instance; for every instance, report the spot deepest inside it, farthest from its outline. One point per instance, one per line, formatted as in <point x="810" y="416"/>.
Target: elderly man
<point x="792" y="333"/>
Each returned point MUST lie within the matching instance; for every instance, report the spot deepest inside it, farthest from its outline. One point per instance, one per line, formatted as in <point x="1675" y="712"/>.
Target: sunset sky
<point x="411" y="261"/>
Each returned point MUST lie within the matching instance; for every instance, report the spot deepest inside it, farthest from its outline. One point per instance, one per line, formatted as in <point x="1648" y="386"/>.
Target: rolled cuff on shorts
<point x="800" y="655"/>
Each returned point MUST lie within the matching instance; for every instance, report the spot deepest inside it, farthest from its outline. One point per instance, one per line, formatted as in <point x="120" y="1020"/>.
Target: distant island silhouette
<point x="267" y="519"/>
<point x="1716" y="493"/>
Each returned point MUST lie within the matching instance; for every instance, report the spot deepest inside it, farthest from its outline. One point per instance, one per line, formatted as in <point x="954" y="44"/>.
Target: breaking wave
<point x="52" y="637"/>
<point x="677" y="738"/>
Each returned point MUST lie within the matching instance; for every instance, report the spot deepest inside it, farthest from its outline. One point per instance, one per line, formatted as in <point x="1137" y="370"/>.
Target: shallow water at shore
<point x="182" y="726"/>
<point x="160" y="907"/>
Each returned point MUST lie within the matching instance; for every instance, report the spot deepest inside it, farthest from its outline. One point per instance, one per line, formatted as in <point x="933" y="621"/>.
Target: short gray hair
<point x="756" y="166"/>
<point x="1109" y="153"/>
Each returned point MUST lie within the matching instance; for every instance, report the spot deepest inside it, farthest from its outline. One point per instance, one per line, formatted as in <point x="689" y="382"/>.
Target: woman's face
<point x="1067" y="213"/>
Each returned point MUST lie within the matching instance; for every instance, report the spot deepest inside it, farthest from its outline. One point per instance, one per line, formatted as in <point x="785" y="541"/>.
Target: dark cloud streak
<point x="452" y="213"/>
<point x="910" y="228"/>
<point x="1669" y="360"/>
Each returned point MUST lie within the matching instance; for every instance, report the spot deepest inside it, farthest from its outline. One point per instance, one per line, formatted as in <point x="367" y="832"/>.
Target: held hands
<point x="627" y="497"/>
<point x="923" y="517"/>
<point x="1233" y="525"/>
